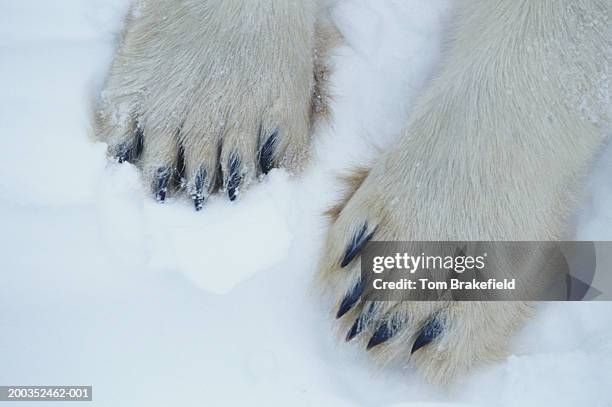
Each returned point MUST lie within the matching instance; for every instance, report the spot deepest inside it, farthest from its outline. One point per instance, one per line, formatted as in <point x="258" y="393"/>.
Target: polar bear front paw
<point x="207" y="95"/>
<point x="442" y="340"/>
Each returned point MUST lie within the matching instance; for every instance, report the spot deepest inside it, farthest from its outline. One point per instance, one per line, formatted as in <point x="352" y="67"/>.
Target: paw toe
<point x="235" y="174"/>
<point x="267" y="152"/>
<point x="432" y="329"/>
<point x="159" y="162"/>
<point x="201" y="171"/>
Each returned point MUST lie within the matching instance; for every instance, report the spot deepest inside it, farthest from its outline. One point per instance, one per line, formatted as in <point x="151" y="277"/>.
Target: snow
<point x="160" y="305"/>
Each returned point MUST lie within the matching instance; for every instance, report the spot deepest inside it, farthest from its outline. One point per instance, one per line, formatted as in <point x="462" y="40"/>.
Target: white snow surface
<point x="157" y="305"/>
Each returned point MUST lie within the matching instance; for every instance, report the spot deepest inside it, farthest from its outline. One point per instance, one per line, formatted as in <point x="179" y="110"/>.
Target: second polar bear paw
<point x="442" y="340"/>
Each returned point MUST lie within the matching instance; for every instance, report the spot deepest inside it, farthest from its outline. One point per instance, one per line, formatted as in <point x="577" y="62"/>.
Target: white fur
<point x="495" y="149"/>
<point x="204" y="75"/>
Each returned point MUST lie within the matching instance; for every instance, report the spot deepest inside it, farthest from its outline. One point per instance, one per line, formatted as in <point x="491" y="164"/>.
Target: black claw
<point x="355" y="330"/>
<point x="430" y="332"/>
<point x="350" y="299"/>
<point x="162" y="178"/>
<point x="130" y="150"/>
<point x="359" y="240"/>
<point x="359" y="323"/>
<point x="139" y="136"/>
<point x="382" y="334"/>
<point x="198" y="194"/>
<point x="123" y="153"/>
<point x="266" y="154"/>
<point x="198" y="203"/>
<point x="234" y="179"/>
<point x="180" y="167"/>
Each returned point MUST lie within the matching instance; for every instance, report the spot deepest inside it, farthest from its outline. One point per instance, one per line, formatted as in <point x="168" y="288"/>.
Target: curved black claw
<point x="430" y="332"/>
<point x="234" y="179"/>
<point x="359" y="240"/>
<point x="359" y="324"/>
<point x="198" y="193"/>
<point x="350" y="299"/>
<point x="355" y="330"/>
<point x="198" y="203"/>
<point x="266" y="154"/>
<point x="123" y="153"/>
<point x="139" y="146"/>
<point x="219" y="171"/>
<point x="130" y="150"/>
<point x="383" y="333"/>
<point x="162" y="179"/>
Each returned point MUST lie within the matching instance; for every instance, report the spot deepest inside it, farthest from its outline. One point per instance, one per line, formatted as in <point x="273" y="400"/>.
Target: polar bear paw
<point x="206" y="96"/>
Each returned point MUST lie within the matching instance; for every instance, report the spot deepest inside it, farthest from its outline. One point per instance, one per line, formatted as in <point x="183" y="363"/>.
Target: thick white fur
<point x="494" y="150"/>
<point x="206" y="75"/>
